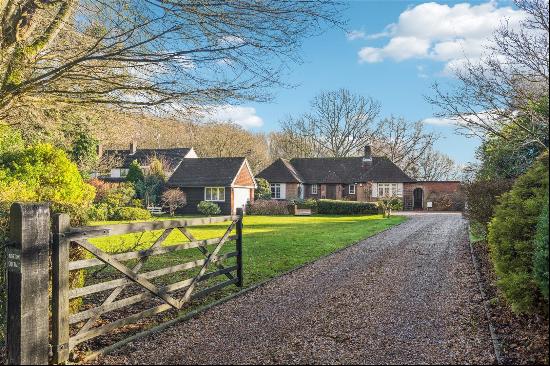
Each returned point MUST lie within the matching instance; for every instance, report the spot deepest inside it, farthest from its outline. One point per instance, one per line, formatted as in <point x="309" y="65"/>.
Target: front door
<point x="418" y="199"/>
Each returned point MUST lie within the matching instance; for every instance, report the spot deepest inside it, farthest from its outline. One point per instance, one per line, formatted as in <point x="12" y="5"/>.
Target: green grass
<point x="272" y="245"/>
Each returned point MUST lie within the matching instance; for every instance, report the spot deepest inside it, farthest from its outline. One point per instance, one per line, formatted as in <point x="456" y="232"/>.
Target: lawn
<point x="272" y="245"/>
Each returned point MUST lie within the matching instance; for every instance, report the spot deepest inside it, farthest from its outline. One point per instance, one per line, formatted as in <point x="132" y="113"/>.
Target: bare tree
<point x="340" y="123"/>
<point x="403" y="142"/>
<point x="289" y="144"/>
<point x="139" y="54"/>
<point x="508" y="85"/>
<point x="433" y="165"/>
<point x="173" y="198"/>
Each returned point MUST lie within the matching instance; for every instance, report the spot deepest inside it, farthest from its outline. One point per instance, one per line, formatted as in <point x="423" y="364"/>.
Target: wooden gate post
<point x="28" y="275"/>
<point x="60" y="288"/>
<point x="239" y="229"/>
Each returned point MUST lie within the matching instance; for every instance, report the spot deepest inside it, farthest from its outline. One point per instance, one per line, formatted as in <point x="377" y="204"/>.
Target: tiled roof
<point x="334" y="170"/>
<point x="203" y="172"/>
<point x="124" y="158"/>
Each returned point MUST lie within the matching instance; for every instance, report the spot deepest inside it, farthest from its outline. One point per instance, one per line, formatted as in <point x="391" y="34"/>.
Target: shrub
<point x="481" y="199"/>
<point x="511" y="236"/>
<point x="309" y="203"/>
<point x="208" y="208"/>
<point x="131" y="213"/>
<point x="334" y="207"/>
<point x="174" y="198"/>
<point x="268" y="207"/>
<point x="263" y="190"/>
<point x="98" y="212"/>
<point x="541" y="252"/>
<point x="135" y="174"/>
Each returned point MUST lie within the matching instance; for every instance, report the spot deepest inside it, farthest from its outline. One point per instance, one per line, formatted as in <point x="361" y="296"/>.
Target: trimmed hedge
<point x="334" y="207"/>
<point x="268" y="207"/>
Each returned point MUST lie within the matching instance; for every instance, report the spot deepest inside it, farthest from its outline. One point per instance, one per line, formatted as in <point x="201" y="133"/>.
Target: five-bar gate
<point x="71" y="329"/>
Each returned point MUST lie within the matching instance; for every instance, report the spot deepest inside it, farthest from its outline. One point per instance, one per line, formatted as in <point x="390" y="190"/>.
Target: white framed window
<point x="314" y="189"/>
<point x="214" y="194"/>
<point x="351" y="189"/>
<point x="276" y="190"/>
<point x="388" y="189"/>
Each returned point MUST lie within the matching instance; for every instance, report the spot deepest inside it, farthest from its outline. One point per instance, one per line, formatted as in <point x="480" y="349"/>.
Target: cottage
<point x="228" y="182"/>
<point x="119" y="161"/>
<point x="365" y="178"/>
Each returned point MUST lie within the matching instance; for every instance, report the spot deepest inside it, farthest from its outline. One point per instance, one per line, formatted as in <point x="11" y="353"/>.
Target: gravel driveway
<point x="405" y="296"/>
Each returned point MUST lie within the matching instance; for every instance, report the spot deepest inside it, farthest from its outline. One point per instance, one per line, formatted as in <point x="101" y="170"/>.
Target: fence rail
<point x="69" y="330"/>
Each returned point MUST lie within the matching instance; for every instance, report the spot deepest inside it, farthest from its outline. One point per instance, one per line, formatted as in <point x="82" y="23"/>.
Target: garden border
<point x="157" y="328"/>
<point x="497" y="346"/>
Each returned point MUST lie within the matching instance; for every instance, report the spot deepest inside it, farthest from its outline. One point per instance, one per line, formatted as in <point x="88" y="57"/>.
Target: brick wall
<point x="442" y="194"/>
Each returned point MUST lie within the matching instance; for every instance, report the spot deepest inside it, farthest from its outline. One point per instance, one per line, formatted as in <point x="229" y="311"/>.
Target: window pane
<point x="208" y="195"/>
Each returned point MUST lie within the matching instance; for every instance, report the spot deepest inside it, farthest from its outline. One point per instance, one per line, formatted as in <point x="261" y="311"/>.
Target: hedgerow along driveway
<point x="405" y="296"/>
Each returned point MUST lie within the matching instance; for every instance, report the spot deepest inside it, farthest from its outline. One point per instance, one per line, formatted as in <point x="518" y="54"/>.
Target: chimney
<point x="133" y="147"/>
<point x="99" y="150"/>
<point x="367" y="158"/>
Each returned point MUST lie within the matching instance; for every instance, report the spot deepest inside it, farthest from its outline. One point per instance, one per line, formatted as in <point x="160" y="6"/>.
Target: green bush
<point x="98" y="212"/>
<point x="541" y="252"/>
<point x="268" y="207"/>
<point x="131" y="213"/>
<point x="39" y="173"/>
<point x="511" y="237"/>
<point x="481" y="199"/>
<point x="263" y="190"/>
<point x="334" y="207"/>
<point x="208" y="208"/>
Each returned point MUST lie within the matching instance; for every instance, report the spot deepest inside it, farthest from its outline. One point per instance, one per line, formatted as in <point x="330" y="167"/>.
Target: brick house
<point x="365" y="178"/>
<point x="228" y="182"/>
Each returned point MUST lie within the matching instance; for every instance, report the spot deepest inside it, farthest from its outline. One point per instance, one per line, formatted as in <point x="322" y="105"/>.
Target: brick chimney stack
<point x="133" y="147"/>
<point x="367" y="157"/>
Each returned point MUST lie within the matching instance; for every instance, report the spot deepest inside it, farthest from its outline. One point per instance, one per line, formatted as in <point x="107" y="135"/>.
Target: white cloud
<point x="243" y="116"/>
<point x="355" y="34"/>
<point x="441" y="32"/>
<point x="436" y="121"/>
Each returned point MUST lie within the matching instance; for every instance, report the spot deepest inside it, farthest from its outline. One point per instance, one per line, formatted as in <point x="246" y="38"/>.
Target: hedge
<point x="512" y="235"/>
<point x="268" y="207"/>
<point x="541" y="252"/>
<point x="335" y="207"/>
<point x="131" y="213"/>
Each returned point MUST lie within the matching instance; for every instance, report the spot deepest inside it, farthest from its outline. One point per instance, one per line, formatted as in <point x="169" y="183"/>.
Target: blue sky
<point x="396" y="50"/>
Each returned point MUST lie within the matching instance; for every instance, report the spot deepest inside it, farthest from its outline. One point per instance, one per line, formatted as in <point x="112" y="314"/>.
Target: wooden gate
<point x="69" y="330"/>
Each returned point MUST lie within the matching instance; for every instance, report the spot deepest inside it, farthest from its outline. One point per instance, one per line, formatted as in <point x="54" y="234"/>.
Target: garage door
<point x="241" y="197"/>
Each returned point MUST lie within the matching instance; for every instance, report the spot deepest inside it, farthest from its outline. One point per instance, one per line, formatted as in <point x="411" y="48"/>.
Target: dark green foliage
<point x="510" y="154"/>
<point x="334" y="207"/>
<point x="511" y="237"/>
<point x="541" y="252"/>
<point x="135" y="174"/>
<point x="208" y="208"/>
<point x="481" y="198"/>
<point x="263" y="189"/>
<point x="82" y="147"/>
<point x="131" y="213"/>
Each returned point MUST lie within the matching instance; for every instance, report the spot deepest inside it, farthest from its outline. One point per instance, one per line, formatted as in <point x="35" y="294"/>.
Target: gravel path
<point x="405" y="296"/>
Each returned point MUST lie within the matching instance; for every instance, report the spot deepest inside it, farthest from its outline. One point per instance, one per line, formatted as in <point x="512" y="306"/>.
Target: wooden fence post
<point x="28" y="276"/>
<point x="60" y="288"/>
<point x="239" y="229"/>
